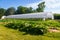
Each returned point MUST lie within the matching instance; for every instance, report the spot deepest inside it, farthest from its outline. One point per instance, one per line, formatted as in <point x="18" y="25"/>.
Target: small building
<point x="43" y="15"/>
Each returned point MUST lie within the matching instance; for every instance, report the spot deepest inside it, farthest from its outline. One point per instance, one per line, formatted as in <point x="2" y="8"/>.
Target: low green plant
<point x="37" y="27"/>
<point x="28" y="27"/>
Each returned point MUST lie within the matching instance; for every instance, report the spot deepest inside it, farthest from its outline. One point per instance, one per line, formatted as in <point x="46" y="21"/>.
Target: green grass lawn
<point x="11" y="34"/>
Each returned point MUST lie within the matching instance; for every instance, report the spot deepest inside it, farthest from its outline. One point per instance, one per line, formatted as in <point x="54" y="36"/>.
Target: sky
<point x="51" y="5"/>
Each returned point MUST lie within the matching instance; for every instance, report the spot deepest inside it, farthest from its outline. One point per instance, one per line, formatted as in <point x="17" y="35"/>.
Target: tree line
<point x="21" y="10"/>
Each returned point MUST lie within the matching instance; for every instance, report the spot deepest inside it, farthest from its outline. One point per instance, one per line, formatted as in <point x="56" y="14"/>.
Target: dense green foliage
<point x="2" y="11"/>
<point x="32" y="27"/>
<point x="10" y="11"/>
<point x="23" y="10"/>
<point x="28" y="27"/>
<point x="41" y="7"/>
<point x="50" y="23"/>
<point x="56" y="16"/>
<point x="12" y="33"/>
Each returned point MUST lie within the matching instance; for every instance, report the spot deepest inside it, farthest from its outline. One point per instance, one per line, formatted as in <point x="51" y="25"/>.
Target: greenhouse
<point x="42" y="15"/>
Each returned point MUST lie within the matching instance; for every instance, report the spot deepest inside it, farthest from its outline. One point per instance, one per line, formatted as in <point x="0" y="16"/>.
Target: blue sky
<point x="51" y="5"/>
<point x="16" y="3"/>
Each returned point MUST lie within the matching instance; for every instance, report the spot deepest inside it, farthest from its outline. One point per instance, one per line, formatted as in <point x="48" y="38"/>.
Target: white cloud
<point x="50" y="0"/>
<point x="33" y="5"/>
<point x="56" y="11"/>
<point x="51" y="5"/>
<point x="55" y="5"/>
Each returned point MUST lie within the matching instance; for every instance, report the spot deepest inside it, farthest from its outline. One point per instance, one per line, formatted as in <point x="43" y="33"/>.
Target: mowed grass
<point x="11" y="34"/>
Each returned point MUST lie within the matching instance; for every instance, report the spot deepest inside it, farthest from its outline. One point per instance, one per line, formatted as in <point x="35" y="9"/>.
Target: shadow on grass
<point x="31" y="31"/>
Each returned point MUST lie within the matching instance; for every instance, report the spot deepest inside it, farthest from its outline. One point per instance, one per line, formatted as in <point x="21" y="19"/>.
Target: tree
<point x="29" y="10"/>
<point x="21" y="10"/>
<point x="2" y="11"/>
<point x="10" y="11"/>
<point x="41" y="7"/>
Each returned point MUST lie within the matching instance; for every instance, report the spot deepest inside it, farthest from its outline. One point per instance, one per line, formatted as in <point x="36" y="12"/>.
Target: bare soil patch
<point x="53" y="30"/>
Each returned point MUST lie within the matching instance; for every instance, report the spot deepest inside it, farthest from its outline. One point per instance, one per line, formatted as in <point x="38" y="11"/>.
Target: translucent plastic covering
<point x="32" y="15"/>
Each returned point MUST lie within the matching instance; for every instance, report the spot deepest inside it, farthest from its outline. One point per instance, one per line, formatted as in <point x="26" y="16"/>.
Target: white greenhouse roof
<point x="32" y="15"/>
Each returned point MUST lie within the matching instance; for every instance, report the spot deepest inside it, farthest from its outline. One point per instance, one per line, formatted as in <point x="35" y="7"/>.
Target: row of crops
<point x="31" y="27"/>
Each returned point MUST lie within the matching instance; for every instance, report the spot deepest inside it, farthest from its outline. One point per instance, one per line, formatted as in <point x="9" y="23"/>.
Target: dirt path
<point x="53" y="30"/>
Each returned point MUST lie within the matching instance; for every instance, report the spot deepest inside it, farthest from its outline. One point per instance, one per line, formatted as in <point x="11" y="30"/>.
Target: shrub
<point x="12" y="25"/>
<point x="33" y="27"/>
<point x="56" y="16"/>
<point x="28" y="27"/>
